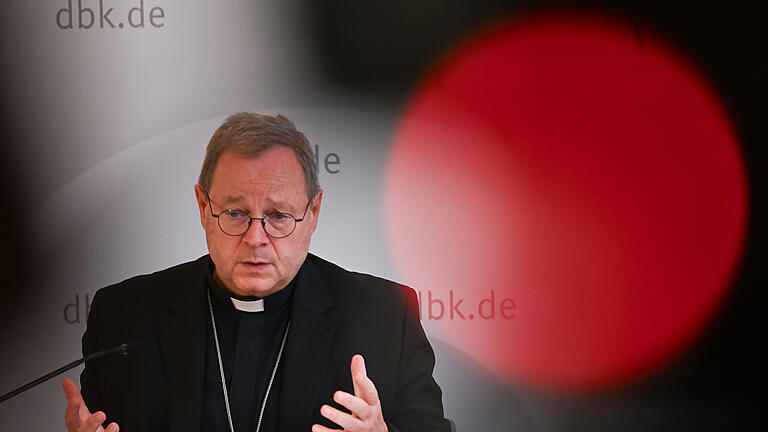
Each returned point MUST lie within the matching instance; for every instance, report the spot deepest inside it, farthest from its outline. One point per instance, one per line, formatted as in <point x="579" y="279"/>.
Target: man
<point x="259" y="335"/>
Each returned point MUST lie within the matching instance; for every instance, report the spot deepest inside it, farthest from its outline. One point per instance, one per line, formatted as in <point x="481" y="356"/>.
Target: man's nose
<point x="256" y="235"/>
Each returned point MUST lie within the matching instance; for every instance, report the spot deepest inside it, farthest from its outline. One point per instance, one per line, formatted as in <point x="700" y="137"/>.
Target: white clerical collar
<point x="248" y="306"/>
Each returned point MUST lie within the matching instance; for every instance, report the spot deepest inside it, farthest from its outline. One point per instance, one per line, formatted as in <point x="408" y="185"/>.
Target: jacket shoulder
<point x="354" y="288"/>
<point x="161" y="284"/>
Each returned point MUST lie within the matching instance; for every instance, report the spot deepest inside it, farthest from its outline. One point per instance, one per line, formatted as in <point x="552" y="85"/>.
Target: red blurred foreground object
<point x="583" y="173"/>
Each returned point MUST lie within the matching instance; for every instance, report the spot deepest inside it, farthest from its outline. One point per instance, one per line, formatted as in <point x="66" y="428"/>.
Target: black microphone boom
<point x="124" y="348"/>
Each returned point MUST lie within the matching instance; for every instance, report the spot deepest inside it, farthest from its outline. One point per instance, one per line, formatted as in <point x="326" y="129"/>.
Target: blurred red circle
<point x="578" y="187"/>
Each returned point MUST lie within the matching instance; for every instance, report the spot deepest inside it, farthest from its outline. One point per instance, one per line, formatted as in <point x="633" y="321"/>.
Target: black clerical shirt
<point x="249" y="344"/>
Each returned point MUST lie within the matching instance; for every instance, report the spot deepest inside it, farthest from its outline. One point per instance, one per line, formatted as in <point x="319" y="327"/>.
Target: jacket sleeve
<point x="418" y="403"/>
<point x="89" y="377"/>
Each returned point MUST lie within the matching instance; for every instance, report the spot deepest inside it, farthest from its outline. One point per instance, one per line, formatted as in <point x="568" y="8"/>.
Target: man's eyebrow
<point x="279" y="205"/>
<point x="233" y="199"/>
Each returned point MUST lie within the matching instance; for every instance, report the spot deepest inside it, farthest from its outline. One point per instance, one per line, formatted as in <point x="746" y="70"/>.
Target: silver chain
<point x="221" y="370"/>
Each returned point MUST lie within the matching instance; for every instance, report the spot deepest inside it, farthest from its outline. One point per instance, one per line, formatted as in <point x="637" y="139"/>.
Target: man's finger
<point x="71" y="390"/>
<point x="357" y="406"/>
<point x="347" y="421"/>
<point x="321" y="428"/>
<point x="93" y="422"/>
<point x="357" y="366"/>
<point x="367" y="390"/>
<point x="76" y="411"/>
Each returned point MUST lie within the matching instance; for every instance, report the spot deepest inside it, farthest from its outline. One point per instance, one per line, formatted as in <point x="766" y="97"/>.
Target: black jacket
<point x="334" y="315"/>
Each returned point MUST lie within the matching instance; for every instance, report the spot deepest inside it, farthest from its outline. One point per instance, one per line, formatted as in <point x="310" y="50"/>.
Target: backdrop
<point x="574" y="190"/>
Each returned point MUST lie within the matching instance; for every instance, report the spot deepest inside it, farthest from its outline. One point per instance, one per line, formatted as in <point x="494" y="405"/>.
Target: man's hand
<point x="77" y="416"/>
<point x="364" y="405"/>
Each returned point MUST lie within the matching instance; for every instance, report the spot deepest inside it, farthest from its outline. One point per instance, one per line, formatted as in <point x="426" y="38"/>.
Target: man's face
<point x="255" y="264"/>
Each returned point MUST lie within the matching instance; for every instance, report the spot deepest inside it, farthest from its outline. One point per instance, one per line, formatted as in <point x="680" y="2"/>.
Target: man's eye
<point x="279" y="217"/>
<point x="235" y="214"/>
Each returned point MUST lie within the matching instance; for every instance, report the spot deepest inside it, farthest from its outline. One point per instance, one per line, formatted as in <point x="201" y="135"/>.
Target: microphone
<point x="125" y="348"/>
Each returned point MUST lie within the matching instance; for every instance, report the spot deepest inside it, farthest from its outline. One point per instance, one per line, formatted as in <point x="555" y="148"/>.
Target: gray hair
<point x="250" y="135"/>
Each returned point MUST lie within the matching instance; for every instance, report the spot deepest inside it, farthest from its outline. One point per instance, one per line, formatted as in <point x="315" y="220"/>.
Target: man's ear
<point x="202" y="204"/>
<point x="315" y="209"/>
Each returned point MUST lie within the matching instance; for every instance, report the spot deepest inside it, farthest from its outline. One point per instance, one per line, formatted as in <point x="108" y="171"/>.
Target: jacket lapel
<point x="182" y="349"/>
<point x="307" y="350"/>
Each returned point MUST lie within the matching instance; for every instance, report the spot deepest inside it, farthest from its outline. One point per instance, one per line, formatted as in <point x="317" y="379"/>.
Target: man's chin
<point x="255" y="287"/>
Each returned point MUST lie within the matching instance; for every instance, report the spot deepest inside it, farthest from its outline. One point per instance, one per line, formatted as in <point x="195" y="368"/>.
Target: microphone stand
<point x="124" y="348"/>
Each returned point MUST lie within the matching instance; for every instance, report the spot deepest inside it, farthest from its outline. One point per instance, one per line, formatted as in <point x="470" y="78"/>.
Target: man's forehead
<point x="273" y="178"/>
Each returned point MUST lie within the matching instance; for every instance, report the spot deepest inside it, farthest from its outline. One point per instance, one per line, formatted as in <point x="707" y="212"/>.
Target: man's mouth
<point x="256" y="265"/>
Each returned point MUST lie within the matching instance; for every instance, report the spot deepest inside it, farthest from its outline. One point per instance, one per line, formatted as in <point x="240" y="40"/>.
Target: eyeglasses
<point x="237" y="222"/>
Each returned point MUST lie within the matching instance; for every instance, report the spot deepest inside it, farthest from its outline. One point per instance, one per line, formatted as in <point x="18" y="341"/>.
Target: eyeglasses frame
<point x="261" y="219"/>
